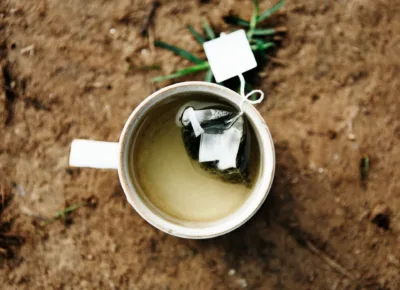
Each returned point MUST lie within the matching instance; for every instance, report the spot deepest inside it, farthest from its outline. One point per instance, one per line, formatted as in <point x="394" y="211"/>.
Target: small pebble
<point x="20" y="190"/>
<point x="351" y="137"/>
<point x="243" y="283"/>
<point x="113" y="248"/>
<point x="232" y="272"/>
<point x="392" y="260"/>
<point x="97" y="85"/>
<point x="113" y="31"/>
<point x="84" y="284"/>
<point x="28" y="50"/>
<point x="320" y="170"/>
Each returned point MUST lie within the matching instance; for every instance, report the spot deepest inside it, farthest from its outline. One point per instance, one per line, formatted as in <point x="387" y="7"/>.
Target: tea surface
<point x="175" y="183"/>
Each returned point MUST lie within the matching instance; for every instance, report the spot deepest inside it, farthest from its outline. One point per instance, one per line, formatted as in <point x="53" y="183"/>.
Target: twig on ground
<point x="330" y="262"/>
<point x="30" y="213"/>
<point x="149" y="18"/>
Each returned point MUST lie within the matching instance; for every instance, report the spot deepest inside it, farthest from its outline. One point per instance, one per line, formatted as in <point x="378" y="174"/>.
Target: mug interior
<point x="180" y="227"/>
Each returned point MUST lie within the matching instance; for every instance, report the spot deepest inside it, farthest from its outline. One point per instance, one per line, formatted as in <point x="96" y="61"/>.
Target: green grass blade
<point x="208" y="29"/>
<point x="256" y="9"/>
<point x="262" y="46"/>
<point x="178" y="51"/>
<point x="199" y="38"/>
<point x="364" y="168"/>
<point x="253" y="21"/>
<point x="182" y="72"/>
<point x="69" y="209"/>
<point x="236" y="20"/>
<point x="61" y="214"/>
<point x="209" y="76"/>
<point x="269" y="31"/>
<point x="257" y="41"/>
<point x="271" y="11"/>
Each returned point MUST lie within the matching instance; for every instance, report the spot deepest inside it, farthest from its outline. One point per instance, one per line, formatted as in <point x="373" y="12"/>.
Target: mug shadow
<point x="260" y="245"/>
<point x="269" y="250"/>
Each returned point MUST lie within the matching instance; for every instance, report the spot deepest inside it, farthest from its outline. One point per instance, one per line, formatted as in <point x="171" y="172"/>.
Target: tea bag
<point x="217" y="137"/>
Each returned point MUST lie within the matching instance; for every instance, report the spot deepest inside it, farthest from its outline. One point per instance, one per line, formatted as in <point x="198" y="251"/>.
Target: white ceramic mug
<point x="87" y="153"/>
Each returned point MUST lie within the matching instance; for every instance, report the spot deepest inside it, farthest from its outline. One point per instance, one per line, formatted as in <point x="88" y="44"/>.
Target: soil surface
<point x="77" y="69"/>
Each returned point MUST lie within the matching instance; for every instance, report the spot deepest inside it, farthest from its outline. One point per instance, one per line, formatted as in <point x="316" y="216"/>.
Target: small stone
<point x="242" y="283"/>
<point x="392" y="260"/>
<point x="89" y="257"/>
<point x="84" y="284"/>
<point x="312" y="166"/>
<point x="28" y="50"/>
<point x="97" y="85"/>
<point x="112" y="285"/>
<point x="113" y="31"/>
<point x="113" y="248"/>
<point x="320" y="170"/>
<point x="232" y="272"/>
<point x="311" y="277"/>
<point x="351" y="137"/>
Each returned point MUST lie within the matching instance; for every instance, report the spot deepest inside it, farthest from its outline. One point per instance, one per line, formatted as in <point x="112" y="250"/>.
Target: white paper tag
<point x="229" y="55"/>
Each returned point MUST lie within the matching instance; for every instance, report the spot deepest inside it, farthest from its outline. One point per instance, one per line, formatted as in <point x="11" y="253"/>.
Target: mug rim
<point x="259" y="192"/>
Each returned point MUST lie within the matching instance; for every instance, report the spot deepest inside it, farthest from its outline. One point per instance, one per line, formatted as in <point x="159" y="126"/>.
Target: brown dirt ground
<point x="332" y="98"/>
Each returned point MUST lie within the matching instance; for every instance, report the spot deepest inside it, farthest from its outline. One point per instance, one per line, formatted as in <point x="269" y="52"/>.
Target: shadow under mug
<point x="115" y="155"/>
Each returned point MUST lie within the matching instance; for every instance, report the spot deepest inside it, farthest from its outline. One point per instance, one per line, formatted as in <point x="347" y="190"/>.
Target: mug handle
<point x="94" y="154"/>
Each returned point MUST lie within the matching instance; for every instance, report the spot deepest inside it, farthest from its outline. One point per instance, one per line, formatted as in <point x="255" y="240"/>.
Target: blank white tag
<point x="229" y="55"/>
<point x="220" y="147"/>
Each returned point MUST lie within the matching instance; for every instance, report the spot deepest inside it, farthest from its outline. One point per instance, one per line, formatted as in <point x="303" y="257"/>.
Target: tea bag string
<point x="242" y="93"/>
<point x="246" y="97"/>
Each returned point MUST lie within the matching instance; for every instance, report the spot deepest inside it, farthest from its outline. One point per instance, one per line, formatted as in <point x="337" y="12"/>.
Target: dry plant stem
<point x="30" y="213"/>
<point x="333" y="264"/>
<point x="146" y="26"/>
<point x="151" y="42"/>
